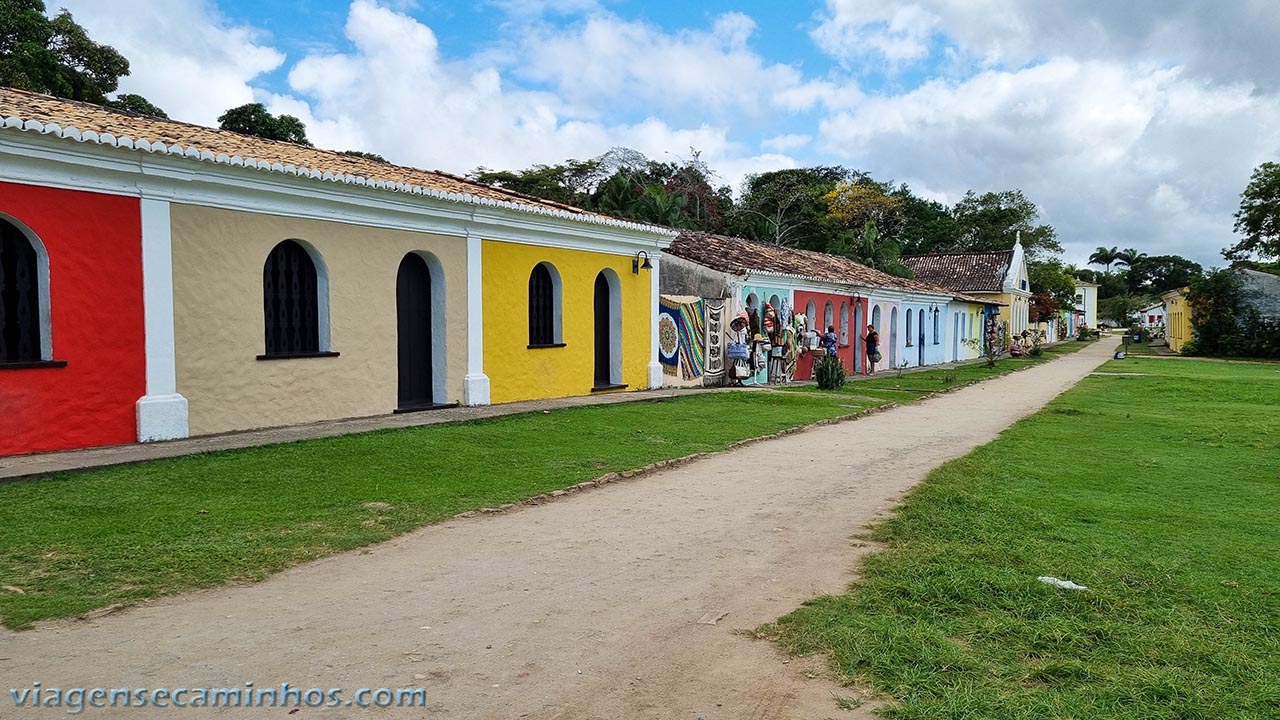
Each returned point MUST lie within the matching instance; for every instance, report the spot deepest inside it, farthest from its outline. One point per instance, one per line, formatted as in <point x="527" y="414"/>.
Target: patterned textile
<point x="714" y="341"/>
<point x="692" y="340"/>
<point x="669" y="336"/>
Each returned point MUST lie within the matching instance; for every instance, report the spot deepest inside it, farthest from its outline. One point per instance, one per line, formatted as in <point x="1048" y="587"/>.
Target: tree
<point x="253" y="119"/>
<point x="569" y="182"/>
<point x="993" y="220"/>
<point x="1155" y="274"/>
<point x="1054" y="280"/>
<point x="927" y="225"/>
<point x="785" y="207"/>
<point x="362" y="154"/>
<point x="1128" y="256"/>
<point x="1258" y="218"/>
<point x="136" y="104"/>
<point x="1104" y="256"/>
<point x="854" y="204"/>
<point x="55" y="55"/>
<point x="1043" y="307"/>
<point x="1120" y="308"/>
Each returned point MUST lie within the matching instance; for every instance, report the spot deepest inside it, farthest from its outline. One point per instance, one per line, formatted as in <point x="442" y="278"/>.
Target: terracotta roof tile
<point x="963" y="272"/>
<point x="739" y="257"/>
<point x="26" y="106"/>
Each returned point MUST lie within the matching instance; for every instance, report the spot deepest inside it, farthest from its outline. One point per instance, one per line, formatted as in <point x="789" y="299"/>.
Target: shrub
<point x="829" y="373"/>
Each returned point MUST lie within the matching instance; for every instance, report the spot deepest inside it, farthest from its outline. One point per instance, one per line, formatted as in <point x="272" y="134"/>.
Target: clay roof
<point x="964" y="272"/>
<point x="85" y="122"/>
<point x="739" y="257"/>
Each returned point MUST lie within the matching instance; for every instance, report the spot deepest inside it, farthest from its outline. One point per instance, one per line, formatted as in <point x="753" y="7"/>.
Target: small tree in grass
<point x="829" y="372"/>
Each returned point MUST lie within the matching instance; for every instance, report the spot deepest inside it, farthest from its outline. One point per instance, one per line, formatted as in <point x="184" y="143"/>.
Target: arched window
<point x="811" y="315"/>
<point x="844" y="323"/>
<point x="291" y="301"/>
<point x="24" y="298"/>
<point x="909" y="333"/>
<point x="828" y="317"/>
<point x="935" y="327"/>
<point x="544" y="306"/>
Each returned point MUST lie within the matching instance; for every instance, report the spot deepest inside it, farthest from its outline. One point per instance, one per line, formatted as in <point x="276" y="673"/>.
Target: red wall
<point x="804" y="366"/>
<point x="95" y="295"/>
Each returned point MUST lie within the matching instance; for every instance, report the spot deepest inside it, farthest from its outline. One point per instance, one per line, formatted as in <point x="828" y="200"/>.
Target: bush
<point x="1035" y="351"/>
<point x="1189" y="348"/>
<point x="829" y="373"/>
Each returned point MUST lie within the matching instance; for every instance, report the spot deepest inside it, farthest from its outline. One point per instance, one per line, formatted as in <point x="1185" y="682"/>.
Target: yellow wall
<point x="1177" y="320"/>
<point x="218" y="258"/>
<point x="519" y="373"/>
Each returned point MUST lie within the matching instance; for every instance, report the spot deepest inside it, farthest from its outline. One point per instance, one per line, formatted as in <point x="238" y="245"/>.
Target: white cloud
<point x="1114" y="155"/>
<point x="188" y="59"/>
<point x="607" y="63"/>
<point x="783" y="143"/>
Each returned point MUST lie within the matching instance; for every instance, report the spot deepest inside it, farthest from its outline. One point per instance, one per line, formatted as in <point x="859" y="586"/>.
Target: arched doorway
<point x="859" y="327"/>
<point x="419" y="334"/>
<point x="608" y="331"/>
<point x="920" y="338"/>
<point x="892" y="337"/>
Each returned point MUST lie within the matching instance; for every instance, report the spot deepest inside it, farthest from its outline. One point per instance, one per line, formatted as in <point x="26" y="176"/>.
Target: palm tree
<point x="1104" y="256"/>
<point x="1127" y="256"/>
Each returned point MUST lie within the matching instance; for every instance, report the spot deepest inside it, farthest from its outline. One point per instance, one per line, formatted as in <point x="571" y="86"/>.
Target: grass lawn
<point x="76" y="542"/>
<point x="1160" y="493"/>
<point x="888" y="383"/>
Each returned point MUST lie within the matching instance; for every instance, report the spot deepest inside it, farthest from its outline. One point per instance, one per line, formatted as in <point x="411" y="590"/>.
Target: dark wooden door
<point x="413" y="316"/>
<point x="603" y="325"/>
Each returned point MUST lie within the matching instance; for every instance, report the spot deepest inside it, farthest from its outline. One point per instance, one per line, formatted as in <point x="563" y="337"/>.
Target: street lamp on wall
<point x="636" y="265"/>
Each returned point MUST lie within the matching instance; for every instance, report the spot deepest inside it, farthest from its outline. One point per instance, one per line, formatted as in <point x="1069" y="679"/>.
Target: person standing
<point x="872" y="341"/>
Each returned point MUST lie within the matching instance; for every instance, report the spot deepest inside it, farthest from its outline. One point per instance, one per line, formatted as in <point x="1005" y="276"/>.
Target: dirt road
<point x="584" y="608"/>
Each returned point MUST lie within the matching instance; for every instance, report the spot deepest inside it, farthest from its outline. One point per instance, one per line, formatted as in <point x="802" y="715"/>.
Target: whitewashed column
<point x="655" y="367"/>
<point x="476" y="384"/>
<point x="162" y="412"/>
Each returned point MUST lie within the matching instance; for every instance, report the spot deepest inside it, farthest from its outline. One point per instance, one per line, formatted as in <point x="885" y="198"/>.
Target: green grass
<point x="1159" y="493"/>
<point x="889" y="384"/>
<point x="75" y="542"/>
<point x="79" y="541"/>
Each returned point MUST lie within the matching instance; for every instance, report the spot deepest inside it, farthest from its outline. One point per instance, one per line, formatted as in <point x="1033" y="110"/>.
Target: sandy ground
<point x="583" y="608"/>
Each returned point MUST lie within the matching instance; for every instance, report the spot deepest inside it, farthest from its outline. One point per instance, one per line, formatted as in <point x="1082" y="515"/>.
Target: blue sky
<point x="1133" y="124"/>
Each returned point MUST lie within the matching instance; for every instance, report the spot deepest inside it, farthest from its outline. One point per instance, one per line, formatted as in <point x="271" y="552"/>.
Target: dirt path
<point x="584" y="608"/>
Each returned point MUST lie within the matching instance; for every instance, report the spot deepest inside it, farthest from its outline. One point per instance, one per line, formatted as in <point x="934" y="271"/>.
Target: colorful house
<point x="1177" y="314"/>
<point x="829" y="291"/>
<point x="999" y="278"/>
<point x="162" y="280"/>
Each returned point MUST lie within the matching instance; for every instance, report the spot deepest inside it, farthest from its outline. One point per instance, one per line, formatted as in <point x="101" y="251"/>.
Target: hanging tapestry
<point x="669" y="335"/>
<point x="692" y="338"/>
<point x="714" y="342"/>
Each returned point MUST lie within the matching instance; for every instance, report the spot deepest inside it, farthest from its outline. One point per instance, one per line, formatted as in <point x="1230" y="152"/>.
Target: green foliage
<point x="361" y="154"/>
<point x="829" y="372"/>
<point x="1120" y="309"/>
<point x="786" y="207"/>
<point x="55" y="55"/>
<point x="1225" y="326"/>
<point x="253" y="119"/>
<point x="1104" y="256"/>
<point x="1051" y="278"/>
<point x="949" y="621"/>
<point x="1129" y="256"/>
<point x="570" y="182"/>
<point x="1258" y="218"/>
<point x="1152" y="275"/>
<point x="928" y="225"/>
<point x="992" y="220"/>
<point x="136" y="104"/>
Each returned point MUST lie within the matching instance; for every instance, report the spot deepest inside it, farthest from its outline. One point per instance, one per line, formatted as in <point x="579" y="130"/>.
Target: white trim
<point x="44" y="310"/>
<point x="51" y="162"/>
<point x="439" y="327"/>
<point x="162" y="414"/>
<point x="615" y="325"/>
<point x="655" y="376"/>
<point x="557" y="299"/>
<point x="475" y="385"/>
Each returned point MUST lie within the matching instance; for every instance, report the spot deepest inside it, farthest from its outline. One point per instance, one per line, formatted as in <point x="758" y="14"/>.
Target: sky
<point x="1130" y="124"/>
